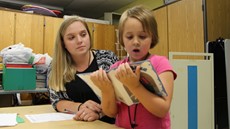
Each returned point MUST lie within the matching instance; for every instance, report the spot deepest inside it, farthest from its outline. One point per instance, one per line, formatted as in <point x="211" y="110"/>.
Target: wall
<point x="218" y="19"/>
<point x="151" y="4"/>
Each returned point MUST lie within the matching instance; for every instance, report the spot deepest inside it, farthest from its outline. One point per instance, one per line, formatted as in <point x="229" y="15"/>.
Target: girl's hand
<point x="125" y="75"/>
<point x="101" y="80"/>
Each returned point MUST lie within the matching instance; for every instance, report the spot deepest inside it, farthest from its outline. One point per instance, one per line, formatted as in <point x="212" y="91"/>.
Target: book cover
<point x="148" y="78"/>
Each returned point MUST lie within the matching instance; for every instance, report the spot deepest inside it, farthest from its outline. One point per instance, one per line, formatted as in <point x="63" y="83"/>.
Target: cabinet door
<point x="185" y="26"/>
<point x="29" y="31"/>
<point x="51" y="28"/>
<point x="91" y="30"/>
<point x="162" y="47"/>
<point x="104" y="37"/>
<point x="218" y="19"/>
<point x="7" y="29"/>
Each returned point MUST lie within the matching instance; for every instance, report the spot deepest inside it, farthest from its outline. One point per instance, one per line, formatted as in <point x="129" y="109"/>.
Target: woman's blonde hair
<point x="145" y="17"/>
<point x="63" y="67"/>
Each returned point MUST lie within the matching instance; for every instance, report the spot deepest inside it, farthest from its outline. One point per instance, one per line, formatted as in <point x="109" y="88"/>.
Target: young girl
<point x="137" y="33"/>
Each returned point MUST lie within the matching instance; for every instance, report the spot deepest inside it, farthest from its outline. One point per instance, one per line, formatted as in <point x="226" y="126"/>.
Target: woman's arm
<point x="67" y="106"/>
<point x="88" y="111"/>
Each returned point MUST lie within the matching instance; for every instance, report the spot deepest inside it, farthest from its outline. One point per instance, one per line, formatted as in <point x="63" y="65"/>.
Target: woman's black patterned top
<point x="77" y="90"/>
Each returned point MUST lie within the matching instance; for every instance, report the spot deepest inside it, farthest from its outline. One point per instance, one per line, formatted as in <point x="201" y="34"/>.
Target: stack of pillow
<point x="40" y="10"/>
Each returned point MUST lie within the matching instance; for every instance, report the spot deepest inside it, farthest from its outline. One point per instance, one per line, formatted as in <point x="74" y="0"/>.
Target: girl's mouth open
<point x="136" y="50"/>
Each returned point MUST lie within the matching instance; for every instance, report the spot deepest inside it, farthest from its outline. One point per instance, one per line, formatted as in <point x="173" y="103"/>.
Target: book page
<point x="122" y="93"/>
<point x="150" y="80"/>
<point x="8" y="119"/>
<point x="46" y="117"/>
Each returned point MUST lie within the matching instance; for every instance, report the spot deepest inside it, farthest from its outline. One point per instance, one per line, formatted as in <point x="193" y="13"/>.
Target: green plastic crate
<point x="19" y="78"/>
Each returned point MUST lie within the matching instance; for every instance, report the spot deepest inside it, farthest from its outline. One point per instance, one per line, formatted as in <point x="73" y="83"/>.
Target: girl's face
<point x="136" y="41"/>
<point x="76" y="39"/>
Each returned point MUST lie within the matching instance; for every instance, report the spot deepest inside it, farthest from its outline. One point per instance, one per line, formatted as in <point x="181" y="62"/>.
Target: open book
<point x="148" y="78"/>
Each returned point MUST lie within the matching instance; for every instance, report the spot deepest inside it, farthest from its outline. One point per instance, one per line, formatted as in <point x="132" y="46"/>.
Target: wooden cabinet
<point x="104" y="37"/>
<point x="185" y="26"/>
<point x="34" y="31"/>
<point x="21" y="27"/>
<point x="39" y="32"/>
<point x="180" y="27"/>
<point x="162" y="47"/>
<point x="29" y="31"/>
<point x="7" y="21"/>
<point x="51" y="28"/>
<point x="218" y="19"/>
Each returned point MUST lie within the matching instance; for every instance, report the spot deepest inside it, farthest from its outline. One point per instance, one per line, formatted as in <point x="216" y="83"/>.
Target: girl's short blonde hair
<point x="145" y="17"/>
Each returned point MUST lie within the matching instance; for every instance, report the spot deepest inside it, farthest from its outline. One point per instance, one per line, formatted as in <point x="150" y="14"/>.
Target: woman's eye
<point x="71" y="37"/>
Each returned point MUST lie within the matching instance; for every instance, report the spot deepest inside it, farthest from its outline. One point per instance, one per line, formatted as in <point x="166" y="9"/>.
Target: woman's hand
<point x="88" y="111"/>
<point x="86" y="114"/>
<point x="89" y="104"/>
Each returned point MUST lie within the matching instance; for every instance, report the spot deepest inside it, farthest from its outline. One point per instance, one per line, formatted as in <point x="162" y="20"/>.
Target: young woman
<point x="73" y="54"/>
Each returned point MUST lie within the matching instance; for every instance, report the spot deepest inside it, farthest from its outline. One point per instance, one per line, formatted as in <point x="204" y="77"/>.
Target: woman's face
<point x="77" y="39"/>
<point x="136" y="41"/>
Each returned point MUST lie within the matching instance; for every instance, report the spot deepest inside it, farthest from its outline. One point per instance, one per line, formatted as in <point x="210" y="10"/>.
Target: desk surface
<point x="68" y="124"/>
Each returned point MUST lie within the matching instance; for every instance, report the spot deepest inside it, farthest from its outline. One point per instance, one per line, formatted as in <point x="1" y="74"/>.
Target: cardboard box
<point x="19" y="78"/>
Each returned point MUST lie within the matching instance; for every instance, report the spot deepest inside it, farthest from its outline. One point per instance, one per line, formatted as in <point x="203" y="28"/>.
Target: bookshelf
<point x="37" y="90"/>
<point x="112" y="17"/>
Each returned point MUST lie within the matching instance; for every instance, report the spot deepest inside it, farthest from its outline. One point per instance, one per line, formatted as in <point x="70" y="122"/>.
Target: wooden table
<point x="67" y="124"/>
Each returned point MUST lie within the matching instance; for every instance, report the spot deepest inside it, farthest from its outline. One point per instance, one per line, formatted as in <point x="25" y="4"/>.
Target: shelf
<point x="37" y="90"/>
<point x="112" y="17"/>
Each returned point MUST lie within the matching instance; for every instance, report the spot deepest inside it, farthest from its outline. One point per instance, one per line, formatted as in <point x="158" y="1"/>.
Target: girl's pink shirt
<point x="144" y="119"/>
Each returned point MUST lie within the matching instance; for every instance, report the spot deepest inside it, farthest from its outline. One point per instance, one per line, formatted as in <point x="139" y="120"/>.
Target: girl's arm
<point x="108" y="101"/>
<point x="158" y="106"/>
